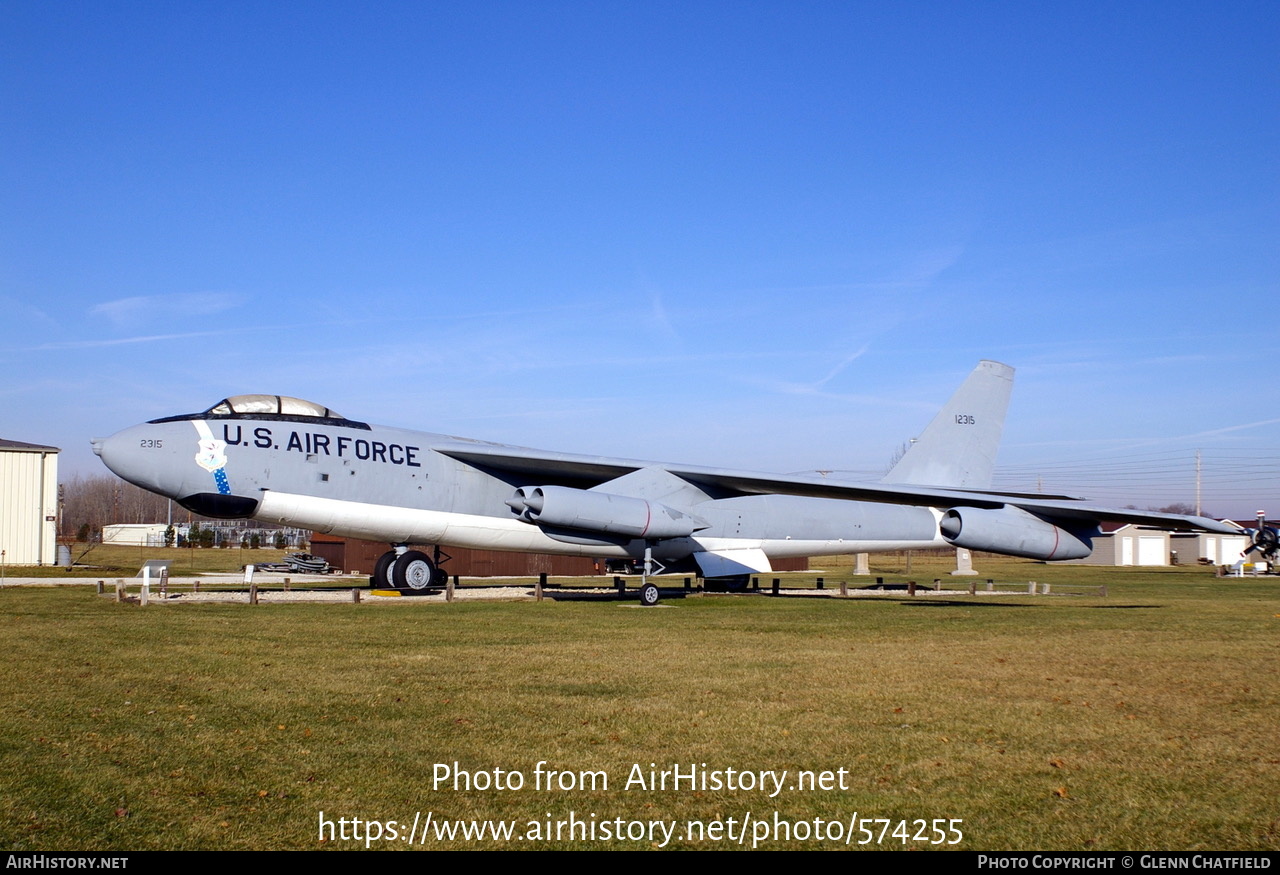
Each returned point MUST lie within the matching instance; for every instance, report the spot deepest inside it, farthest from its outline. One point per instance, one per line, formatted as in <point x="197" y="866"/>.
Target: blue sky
<point x="766" y="235"/>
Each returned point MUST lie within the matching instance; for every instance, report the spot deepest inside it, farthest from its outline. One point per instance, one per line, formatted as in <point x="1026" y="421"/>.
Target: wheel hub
<point x="418" y="575"/>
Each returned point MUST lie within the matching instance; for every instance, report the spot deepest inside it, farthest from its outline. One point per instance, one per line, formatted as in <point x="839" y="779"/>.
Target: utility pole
<point x="1197" y="483"/>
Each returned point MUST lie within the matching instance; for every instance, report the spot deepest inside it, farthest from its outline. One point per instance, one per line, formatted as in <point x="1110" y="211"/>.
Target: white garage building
<point x="28" y="503"/>
<point x="136" y="534"/>
<point x="1213" y="549"/>
<point x="1127" y="544"/>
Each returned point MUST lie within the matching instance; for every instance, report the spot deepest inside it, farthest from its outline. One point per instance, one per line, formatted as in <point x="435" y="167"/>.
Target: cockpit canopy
<point x="281" y="408"/>
<point x="282" y="405"/>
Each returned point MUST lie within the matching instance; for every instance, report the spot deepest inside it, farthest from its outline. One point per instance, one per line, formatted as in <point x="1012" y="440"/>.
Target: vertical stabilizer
<point x="958" y="449"/>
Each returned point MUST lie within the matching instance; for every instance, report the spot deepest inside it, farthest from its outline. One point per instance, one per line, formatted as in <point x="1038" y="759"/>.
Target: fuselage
<point x="329" y="474"/>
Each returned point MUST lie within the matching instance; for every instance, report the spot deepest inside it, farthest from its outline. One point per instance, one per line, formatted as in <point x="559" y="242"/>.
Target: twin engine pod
<point x="560" y="507"/>
<point x="1013" y="531"/>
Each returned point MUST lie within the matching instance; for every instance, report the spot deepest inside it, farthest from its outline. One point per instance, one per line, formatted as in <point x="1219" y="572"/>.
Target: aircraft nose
<point x="138" y="455"/>
<point x="162" y="457"/>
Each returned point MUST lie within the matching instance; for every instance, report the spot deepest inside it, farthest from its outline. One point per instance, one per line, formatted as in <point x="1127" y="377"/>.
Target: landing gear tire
<point x="381" y="578"/>
<point x="413" y="571"/>
<point x="649" y="595"/>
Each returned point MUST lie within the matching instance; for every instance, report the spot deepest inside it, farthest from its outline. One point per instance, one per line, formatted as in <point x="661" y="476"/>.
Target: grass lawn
<point x="1143" y="720"/>
<point x="117" y="560"/>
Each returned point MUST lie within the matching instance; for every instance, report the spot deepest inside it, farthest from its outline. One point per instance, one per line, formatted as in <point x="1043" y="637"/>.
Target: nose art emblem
<point x="211" y="456"/>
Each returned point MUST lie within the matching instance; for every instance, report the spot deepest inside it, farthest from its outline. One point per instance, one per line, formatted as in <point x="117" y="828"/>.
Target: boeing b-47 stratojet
<point x="283" y="460"/>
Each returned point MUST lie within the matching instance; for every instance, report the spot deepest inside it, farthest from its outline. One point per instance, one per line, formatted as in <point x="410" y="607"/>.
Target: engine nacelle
<point x="560" y="507"/>
<point x="1012" y="531"/>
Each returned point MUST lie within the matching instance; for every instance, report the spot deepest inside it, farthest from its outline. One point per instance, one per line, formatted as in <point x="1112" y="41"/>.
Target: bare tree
<point x="1184" y="508"/>
<point x="89" y="503"/>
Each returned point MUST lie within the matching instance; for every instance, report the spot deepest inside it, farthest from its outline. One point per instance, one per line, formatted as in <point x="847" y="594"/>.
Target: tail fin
<point x="958" y="449"/>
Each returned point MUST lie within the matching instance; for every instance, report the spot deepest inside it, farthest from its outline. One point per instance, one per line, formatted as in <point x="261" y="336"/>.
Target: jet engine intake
<point x="221" y="507"/>
<point x="561" y="507"/>
<point x="1012" y="531"/>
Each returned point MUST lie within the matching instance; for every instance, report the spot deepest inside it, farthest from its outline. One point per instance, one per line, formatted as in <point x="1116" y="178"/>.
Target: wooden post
<point x="164" y="582"/>
<point x="844" y="588"/>
<point x="448" y="589"/>
<point x="102" y="587"/>
<point x="1031" y="587"/>
<point x="253" y="593"/>
<point x="911" y="588"/>
<point x="991" y="585"/>
<point x="821" y="582"/>
<point x="286" y="584"/>
<point x="144" y="597"/>
<point x="937" y="584"/>
<point x="119" y="590"/>
<point x="1045" y="589"/>
<point x="355" y="595"/>
<point x="537" y="587"/>
<point x="973" y="588"/>
<point x="196" y="585"/>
